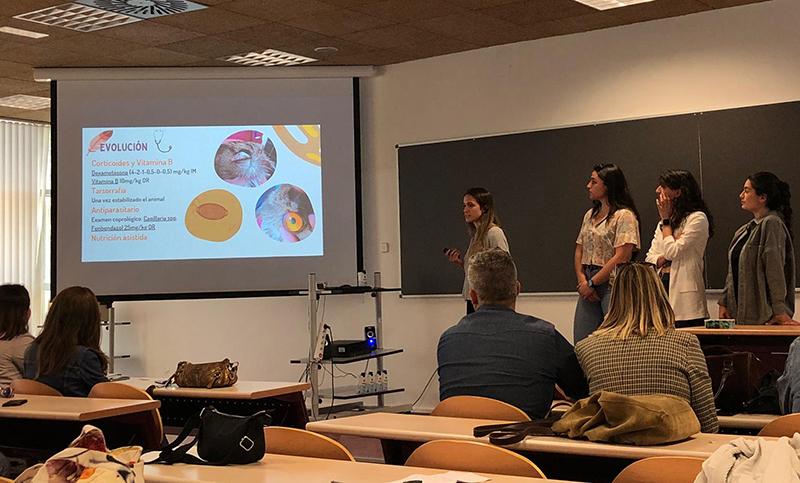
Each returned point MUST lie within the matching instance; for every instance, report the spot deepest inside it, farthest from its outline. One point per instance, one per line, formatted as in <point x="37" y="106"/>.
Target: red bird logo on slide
<point x="99" y="140"/>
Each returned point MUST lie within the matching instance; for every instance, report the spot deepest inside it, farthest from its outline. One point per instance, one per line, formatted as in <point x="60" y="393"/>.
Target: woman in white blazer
<point x="679" y="244"/>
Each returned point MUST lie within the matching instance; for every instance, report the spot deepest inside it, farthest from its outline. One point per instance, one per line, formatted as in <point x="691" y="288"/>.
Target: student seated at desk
<point x="637" y="351"/>
<point x="501" y="354"/>
<point x="66" y="356"/>
<point x="15" y="310"/>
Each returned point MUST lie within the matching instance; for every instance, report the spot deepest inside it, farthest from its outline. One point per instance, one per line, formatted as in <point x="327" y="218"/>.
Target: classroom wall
<point x="730" y="58"/>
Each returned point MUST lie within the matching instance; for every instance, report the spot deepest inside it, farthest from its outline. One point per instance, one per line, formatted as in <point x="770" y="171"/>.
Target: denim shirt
<point x="501" y="354"/>
<point x="789" y="382"/>
<point x="76" y="379"/>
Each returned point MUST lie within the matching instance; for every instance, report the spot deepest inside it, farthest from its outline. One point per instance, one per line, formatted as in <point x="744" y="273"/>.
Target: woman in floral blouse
<point x="609" y="236"/>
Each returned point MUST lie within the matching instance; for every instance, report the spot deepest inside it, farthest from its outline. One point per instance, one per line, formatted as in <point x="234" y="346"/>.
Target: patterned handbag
<point x="207" y="375"/>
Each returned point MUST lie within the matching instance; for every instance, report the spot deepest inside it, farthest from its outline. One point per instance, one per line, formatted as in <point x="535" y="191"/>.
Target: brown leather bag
<point x="207" y="375"/>
<point x="734" y="377"/>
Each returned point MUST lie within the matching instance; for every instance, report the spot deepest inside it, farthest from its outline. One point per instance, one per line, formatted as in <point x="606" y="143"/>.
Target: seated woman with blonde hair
<point x="637" y="351"/>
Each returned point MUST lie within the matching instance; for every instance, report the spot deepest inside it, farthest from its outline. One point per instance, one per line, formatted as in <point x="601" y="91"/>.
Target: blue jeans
<point x="589" y="315"/>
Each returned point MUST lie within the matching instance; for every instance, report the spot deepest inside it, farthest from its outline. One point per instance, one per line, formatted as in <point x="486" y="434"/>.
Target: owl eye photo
<point x="285" y="213"/>
<point x="243" y="160"/>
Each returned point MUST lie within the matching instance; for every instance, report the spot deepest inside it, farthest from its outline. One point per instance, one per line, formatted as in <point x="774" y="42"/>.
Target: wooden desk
<point x="48" y="424"/>
<point x="280" y="468"/>
<point x="284" y="400"/>
<point x="770" y="343"/>
<point x="559" y="457"/>
<point x="746" y="421"/>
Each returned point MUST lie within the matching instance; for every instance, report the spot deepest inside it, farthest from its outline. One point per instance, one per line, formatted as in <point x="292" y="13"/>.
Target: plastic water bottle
<point x="362" y="384"/>
<point x="370" y="382"/>
<point x="385" y="380"/>
<point x="379" y="381"/>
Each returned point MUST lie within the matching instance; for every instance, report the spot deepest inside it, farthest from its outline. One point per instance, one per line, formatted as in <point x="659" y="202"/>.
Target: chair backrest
<point x="475" y="407"/>
<point x="472" y="456"/>
<point x="28" y="386"/>
<point x="299" y="442"/>
<point x="662" y="469"/>
<point x="154" y="431"/>
<point x="783" y="426"/>
<point x="6" y="480"/>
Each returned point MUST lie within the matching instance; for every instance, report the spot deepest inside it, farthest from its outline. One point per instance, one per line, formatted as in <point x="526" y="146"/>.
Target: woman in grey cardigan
<point x="759" y="288"/>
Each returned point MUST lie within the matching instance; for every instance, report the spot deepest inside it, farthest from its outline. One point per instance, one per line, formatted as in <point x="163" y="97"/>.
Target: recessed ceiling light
<point x="23" y="33"/>
<point x="607" y="4"/>
<point x="269" y="57"/>
<point x="77" y="17"/>
<point x="144" y="8"/>
<point x="326" y="50"/>
<point x="21" y="101"/>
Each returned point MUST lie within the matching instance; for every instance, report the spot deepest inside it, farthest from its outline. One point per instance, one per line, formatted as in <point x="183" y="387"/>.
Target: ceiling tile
<point x="95" y="61"/>
<point x="345" y="47"/>
<point x="478" y="4"/>
<point x="92" y="45"/>
<point x="157" y="57"/>
<point x="42" y="93"/>
<point x="454" y="25"/>
<point x="16" y="7"/>
<point x="272" y="35"/>
<point x="38" y="56"/>
<point x="26" y="75"/>
<point x="6" y="44"/>
<point x="12" y="68"/>
<point x="530" y="12"/>
<point x="488" y="38"/>
<point x="278" y="10"/>
<point x="10" y="112"/>
<point x="407" y="10"/>
<point x="349" y="3"/>
<point x="371" y="57"/>
<point x="210" y="21"/>
<point x="212" y="63"/>
<point x="150" y="33"/>
<point x="391" y="36"/>
<point x="433" y="49"/>
<point x="581" y="23"/>
<point x="657" y="9"/>
<point x="10" y="87"/>
<point x="210" y="47"/>
<point x="338" y="22"/>
<point x="41" y="115"/>
<point x="729" y="3"/>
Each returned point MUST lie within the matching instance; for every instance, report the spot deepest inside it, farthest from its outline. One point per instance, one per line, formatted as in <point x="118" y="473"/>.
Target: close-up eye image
<point x="245" y="159"/>
<point x="285" y="213"/>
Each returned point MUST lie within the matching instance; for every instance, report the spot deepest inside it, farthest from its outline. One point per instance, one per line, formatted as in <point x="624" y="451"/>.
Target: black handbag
<point x="223" y="439"/>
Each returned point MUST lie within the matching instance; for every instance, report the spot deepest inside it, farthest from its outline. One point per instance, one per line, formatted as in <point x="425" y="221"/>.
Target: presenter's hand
<point x="454" y="255"/>
<point x="661" y="261"/>
<point x="782" y="319"/>
<point x="723" y="313"/>
<point x="664" y="206"/>
<point x="587" y="293"/>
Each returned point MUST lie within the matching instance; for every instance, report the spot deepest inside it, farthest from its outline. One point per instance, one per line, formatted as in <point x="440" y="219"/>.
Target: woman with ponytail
<point x="759" y="288"/>
<point x="484" y="228"/>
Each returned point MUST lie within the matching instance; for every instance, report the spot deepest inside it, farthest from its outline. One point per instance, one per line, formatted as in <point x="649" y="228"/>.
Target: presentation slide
<point x="201" y="192"/>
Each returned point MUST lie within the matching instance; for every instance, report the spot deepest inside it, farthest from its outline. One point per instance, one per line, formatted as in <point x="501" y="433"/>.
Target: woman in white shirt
<point x="484" y="228"/>
<point x="679" y="244"/>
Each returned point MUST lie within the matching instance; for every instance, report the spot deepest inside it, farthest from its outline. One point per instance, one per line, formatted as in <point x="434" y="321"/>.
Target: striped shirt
<point x="671" y="364"/>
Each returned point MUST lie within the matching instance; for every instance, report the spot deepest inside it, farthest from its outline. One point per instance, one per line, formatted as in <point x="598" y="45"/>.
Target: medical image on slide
<point x="309" y="149"/>
<point x="284" y="212"/>
<point x="215" y="215"/>
<point x="244" y="159"/>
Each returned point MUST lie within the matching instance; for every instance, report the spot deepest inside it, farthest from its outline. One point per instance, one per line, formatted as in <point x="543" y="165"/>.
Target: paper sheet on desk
<point x="449" y="477"/>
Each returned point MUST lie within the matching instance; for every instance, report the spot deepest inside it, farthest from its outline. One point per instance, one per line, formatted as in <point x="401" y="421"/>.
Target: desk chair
<point x="783" y="426"/>
<point x="299" y="442"/>
<point x="472" y="456"/>
<point x="28" y="386"/>
<point x="6" y="480"/>
<point x="153" y="428"/>
<point x="475" y="407"/>
<point x="662" y="469"/>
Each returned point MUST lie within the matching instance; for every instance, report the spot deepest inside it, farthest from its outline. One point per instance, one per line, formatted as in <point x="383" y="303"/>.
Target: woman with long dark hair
<point x="609" y="236"/>
<point x="679" y="244"/>
<point x="485" y="231"/>
<point x="66" y="356"/>
<point x="759" y="288"/>
<point x="15" y="311"/>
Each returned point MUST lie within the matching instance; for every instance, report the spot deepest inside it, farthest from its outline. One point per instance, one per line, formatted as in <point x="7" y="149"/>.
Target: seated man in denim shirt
<point x="501" y="354"/>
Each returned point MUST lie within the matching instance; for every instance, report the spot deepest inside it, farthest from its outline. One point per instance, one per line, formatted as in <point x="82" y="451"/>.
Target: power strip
<point x="319" y="347"/>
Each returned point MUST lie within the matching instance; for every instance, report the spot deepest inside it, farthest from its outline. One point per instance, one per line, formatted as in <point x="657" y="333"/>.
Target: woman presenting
<point x="609" y="235"/>
<point x="679" y="244"/>
<point x="484" y="228"/>
<point x="759" y="288"/>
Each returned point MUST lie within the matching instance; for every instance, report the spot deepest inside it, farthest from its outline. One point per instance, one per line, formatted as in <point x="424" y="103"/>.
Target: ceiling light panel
<point x="144" y="9"/>
<point x="22" y="33"/>
<point x="78" y="17"/>
<point x="29" y="103"/>
<point x="268" y="58"/>
<point x="608" y="4"/>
